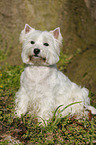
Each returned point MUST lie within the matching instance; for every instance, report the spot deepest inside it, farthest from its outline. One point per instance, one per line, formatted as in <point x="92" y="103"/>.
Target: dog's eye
<point x="46" y="44"/>
<point x="32" y="42"/>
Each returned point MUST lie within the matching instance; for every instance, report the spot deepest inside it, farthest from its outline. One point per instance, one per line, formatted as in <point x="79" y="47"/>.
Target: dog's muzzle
<point x="36" y="58"/>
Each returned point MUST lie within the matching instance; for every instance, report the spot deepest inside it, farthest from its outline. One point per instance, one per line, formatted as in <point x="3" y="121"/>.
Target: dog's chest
<point x="38" y="79"/>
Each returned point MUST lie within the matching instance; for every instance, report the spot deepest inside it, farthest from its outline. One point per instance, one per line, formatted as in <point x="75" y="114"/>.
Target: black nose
<point x="36" y="51"/>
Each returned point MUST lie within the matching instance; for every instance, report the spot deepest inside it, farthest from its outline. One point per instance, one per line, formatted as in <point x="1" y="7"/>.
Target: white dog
<point x="43" y="86"/>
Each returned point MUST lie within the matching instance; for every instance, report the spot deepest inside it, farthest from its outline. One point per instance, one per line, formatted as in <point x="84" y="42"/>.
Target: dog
<point x="43" y="87"/>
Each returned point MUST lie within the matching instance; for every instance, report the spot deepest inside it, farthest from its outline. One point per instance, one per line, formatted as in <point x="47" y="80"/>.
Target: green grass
<point x="26" y="129"/>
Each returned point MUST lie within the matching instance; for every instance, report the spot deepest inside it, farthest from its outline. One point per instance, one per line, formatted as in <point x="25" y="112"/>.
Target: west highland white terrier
<point x="43" y="87"/>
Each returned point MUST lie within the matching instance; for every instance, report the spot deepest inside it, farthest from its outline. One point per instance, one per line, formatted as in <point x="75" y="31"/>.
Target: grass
<point x="59" y="131"/>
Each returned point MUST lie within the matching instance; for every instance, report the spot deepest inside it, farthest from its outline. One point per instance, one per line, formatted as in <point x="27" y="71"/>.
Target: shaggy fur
<point x="43" y="87"/>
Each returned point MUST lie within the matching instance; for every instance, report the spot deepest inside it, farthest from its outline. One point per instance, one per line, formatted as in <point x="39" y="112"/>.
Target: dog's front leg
<point x="21" y="102"/>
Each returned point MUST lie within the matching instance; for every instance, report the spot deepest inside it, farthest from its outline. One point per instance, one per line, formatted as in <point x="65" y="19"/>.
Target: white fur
<point x="43" y="87"/>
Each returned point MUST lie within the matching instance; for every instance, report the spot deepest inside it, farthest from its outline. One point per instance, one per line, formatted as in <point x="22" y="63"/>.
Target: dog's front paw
<point x="19" y="112"/>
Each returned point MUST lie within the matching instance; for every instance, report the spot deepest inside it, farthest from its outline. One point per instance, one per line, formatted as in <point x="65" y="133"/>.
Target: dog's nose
<point x="36" y="51"/>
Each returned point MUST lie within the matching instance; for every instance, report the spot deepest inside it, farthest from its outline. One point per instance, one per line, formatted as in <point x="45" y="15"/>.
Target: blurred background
<point x="77" y="21"/>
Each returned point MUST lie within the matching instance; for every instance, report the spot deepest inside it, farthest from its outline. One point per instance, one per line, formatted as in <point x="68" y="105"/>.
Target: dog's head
<point x="40" y="47"/>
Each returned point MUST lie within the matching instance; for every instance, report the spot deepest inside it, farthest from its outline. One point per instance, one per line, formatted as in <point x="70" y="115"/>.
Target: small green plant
<point x="55" y="118"/>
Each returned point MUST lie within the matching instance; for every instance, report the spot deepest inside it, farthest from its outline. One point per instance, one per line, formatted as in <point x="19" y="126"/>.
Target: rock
<point x="82" y="70"/>
<point x="91" y="5"/>
<point x="73" y="17"/>
<point x="76" y="20"/>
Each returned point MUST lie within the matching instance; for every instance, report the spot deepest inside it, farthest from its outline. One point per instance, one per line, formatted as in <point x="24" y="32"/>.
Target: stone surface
<point x="78" y="27"/>
<point x="82" y="70"/>
<point x="73" y="17"/>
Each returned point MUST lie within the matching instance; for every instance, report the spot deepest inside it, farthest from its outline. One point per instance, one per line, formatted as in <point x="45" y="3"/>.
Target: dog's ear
<point x="26" y="30"/>
<point x="56" y="33"/>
